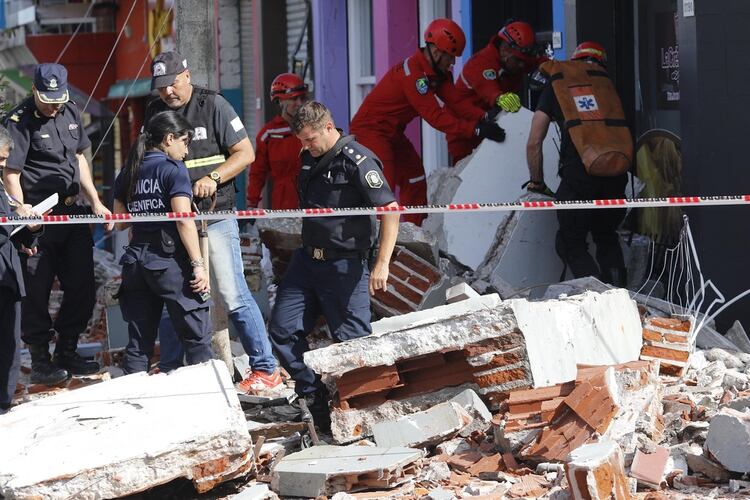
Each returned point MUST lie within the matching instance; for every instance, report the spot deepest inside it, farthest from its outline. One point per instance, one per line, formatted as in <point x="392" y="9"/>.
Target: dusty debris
<point x="327" y="470"/>
<point x="139" y="417"/>
<point x="595" y="471"/>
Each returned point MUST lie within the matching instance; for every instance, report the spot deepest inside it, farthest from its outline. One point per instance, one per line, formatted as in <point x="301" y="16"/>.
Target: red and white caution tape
<point x="679" y="201"/>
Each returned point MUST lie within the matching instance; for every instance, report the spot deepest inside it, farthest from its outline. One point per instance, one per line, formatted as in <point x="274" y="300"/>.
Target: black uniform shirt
<point x="353" y="178"/>
<point x="45" y="150"/>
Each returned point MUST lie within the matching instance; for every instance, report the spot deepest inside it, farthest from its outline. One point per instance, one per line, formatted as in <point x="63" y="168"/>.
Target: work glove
<point x="491" y="114"/>
<point x="538" y="187"/>
<point x="509" y="102"/>
<point x="489" y="130"/>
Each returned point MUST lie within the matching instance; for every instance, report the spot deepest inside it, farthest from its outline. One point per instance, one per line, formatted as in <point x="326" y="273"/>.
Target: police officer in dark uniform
<point x="220" y="150"/>
<point x="330" y="274"/>
<point x="11" y="284"/>
<point x="48" y="158"/>
<point x="162" y="264"/>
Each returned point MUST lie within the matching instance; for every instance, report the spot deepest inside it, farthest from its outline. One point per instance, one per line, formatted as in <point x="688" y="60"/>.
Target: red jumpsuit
<point x="410" y="89"/>
<point x="277" y="152"/>
<point x="480" y="82"/>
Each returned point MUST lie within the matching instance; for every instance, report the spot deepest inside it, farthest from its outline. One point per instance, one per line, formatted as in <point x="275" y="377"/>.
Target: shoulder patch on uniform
<point x="237" y="124"/>
<point x="14" y="117"/>
<point x="422" y="85"/>
<point x="489" y="74"/>
<point x="374" y="180"/>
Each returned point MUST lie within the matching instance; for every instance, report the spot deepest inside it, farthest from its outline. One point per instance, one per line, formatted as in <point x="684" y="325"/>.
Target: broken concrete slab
<point x="729" y="439"/>
<point x="68" y="460"/>
<point x="327" y="470"/>
<point x="596" y="472"/>
<point x="601" y="329"/>
<point x="460" y="292"/>
<point x="419" y="241"/>
<point x="699" y="463"/>
<point x="475" y="407"/>
<point x="483" y="343"/>
<point x="422" y="428"/>
<point x="493" y="173"/>
<point x="737" y="335"/>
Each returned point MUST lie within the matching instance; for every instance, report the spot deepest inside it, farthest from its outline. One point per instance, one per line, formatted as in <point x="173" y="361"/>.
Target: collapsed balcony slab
<point x="126" y="435"/>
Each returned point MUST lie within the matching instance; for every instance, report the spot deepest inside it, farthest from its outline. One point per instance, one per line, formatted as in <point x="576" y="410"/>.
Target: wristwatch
<point x="214" y="176"/>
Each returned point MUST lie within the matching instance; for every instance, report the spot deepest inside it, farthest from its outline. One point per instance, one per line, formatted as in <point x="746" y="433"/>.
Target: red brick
<point x="670" y="324"/>
<point x="502" y="377"/>
<point x="652" y="335"/>
<point x="541" y="394"/>
<point x="505" y="342"/>
<point x="593" y="404"/>
<point x="664" y="353"/>
<point x="367" y="380"/>
<point x="416" y="264"/>
<point x="505" y="359"/>
<point x="407" y="292"/>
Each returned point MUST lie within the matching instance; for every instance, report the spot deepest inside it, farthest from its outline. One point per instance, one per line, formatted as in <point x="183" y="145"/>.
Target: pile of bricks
<point x="492" y="365"/>
<point x="413" y="284"/>
<point x="667" y="340"/>
<point x="569" y="415"/>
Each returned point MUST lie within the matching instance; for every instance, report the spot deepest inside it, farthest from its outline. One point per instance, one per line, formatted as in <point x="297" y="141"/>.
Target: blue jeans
<point x="228" y="285"/>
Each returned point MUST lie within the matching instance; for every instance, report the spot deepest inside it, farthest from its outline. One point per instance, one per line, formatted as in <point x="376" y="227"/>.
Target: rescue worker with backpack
<point x="596" y="152"/>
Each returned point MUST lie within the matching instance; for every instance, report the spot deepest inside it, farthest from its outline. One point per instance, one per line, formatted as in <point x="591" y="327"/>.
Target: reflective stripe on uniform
<point x="406" y="67"/>
<point x="416" y="179"/>
<point x="463" y="79"/>
<point x="274" y="131"/>
<point x="205" y="162"/>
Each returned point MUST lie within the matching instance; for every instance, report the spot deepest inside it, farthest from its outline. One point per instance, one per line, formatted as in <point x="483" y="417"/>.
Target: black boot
<point x="67" y="357"/>
<point x="42" y="369"/>
<point x="317" y="404"/>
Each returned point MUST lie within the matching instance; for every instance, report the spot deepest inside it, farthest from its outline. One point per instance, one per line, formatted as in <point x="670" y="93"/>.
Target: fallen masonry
<point x="327" y="470"/>
<point x="598" y="394"/>
<point x="483" y="343"/>
<point x="126" y="435"/>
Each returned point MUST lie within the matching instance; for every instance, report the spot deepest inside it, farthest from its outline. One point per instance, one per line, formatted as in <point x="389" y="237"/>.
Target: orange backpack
<point x="593" y="116"/>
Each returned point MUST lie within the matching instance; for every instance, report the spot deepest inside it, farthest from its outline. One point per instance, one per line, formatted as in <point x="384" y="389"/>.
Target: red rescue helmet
<point x="446" y="35"/>
<point x="287" y="86"/>
<point x="590" y="50"/>
<point x="520" y="37"/>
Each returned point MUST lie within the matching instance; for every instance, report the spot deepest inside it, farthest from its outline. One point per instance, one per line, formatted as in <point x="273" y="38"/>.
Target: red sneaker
<point x="257" y="382"/>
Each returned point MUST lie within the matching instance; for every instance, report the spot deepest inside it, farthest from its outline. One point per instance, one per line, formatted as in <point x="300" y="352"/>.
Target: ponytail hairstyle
<point x="152" y="135"/>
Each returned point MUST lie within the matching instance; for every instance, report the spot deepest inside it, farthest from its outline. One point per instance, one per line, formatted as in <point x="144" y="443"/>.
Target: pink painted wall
<point x="395" y="27"/>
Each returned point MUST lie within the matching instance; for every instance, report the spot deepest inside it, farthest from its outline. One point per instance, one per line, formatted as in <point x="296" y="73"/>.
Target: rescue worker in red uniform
<point x="421" y="85"/>
<point x="277" y="148"/>
<point x="492" y="77"/>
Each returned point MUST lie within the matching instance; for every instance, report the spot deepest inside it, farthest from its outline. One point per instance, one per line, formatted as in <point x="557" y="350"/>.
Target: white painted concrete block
<point x="124" y="436"/>
<point x="460" y="292"/>
<point x="422" y="428"/>
<point x="324" y="470"/>
<point x="494" y="173"/>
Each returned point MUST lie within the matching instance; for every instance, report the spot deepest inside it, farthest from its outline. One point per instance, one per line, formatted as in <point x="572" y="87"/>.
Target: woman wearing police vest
<point x="162" y="264"/>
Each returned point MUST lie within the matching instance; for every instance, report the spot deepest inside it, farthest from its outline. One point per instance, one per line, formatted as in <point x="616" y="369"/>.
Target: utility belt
<point x="160" y="239"/>
<point x="323" y="254"/>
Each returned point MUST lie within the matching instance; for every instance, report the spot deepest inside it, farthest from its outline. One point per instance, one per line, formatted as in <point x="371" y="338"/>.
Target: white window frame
<point x="360" y="38"/>
<point x="434" y="144"/>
